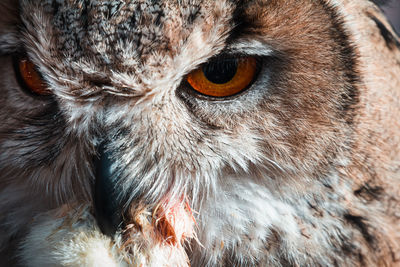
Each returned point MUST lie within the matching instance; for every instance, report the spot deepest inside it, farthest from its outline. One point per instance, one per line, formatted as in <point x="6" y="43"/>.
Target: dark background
<point x="392" y="11"/>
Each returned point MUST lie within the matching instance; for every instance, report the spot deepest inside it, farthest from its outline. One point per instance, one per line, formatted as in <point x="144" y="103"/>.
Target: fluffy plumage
<point x="300" y="169"/>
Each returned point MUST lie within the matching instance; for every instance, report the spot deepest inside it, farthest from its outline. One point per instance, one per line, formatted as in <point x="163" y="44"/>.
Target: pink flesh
<point x="175" y="222"/>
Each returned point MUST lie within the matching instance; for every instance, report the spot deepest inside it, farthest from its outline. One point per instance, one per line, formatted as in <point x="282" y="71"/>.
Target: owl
<point x="199" y="133"/>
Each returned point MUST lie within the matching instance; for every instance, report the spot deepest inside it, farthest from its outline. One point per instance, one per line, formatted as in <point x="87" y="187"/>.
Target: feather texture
<point x="301" y="168"/>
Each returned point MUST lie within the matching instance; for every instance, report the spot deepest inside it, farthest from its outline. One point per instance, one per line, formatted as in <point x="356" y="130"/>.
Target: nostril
<point x="107" y="207"/>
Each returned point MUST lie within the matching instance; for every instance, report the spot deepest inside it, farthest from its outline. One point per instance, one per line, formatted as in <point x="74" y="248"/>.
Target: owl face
<point x="118" y="72"/>
<point x="129" y="106"/>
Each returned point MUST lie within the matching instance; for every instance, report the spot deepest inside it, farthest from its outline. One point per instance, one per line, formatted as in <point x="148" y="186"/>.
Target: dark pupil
<point x="221" y="71"/>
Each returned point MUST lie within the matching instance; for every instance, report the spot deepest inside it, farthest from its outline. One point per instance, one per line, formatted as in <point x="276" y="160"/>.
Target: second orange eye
<point x="224" y="77"/>
<point x="31" y="78"/>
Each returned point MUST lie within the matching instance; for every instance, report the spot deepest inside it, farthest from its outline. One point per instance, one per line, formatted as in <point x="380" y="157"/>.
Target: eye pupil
<point x="221" y="71"/>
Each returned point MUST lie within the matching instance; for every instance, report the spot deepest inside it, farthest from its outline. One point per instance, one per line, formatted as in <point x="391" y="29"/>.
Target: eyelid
<point x="250" y="47"/>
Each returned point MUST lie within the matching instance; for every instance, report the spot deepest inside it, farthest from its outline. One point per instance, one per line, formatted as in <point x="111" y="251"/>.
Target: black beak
<point x="107" y="207"/>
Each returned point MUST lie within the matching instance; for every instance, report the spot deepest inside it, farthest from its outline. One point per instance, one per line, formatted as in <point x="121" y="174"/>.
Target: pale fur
<point x="275" y="176"/>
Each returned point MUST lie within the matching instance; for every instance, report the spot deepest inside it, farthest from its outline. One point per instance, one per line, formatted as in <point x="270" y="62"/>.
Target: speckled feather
<point x="301" y="169"/>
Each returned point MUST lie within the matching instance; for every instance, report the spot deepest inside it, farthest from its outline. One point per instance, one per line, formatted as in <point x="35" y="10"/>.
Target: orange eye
<point x="31" y="78"/>
<point x="224" y="77"/>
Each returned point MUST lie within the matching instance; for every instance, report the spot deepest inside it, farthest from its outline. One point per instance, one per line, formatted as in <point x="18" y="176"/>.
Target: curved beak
<point x="107" y="207"/>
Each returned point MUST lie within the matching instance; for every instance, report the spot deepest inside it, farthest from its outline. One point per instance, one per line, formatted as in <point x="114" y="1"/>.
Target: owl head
<point x="134" y="129"/>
